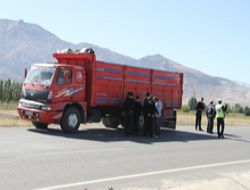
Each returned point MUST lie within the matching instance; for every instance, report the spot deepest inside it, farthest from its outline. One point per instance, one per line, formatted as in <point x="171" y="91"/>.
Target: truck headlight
<point x="20" y="104"/>
<point x="45" y="108"/>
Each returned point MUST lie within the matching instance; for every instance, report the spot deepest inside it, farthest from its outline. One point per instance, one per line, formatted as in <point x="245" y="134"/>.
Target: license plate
<point x="28" y="113"/>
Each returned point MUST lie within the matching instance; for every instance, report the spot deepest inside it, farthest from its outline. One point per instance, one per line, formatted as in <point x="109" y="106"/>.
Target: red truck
<point x="79" y="89"/>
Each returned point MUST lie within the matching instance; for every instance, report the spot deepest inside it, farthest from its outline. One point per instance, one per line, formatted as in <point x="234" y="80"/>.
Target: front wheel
<point x="40" y="125"/>
<point x="71" y="120"/>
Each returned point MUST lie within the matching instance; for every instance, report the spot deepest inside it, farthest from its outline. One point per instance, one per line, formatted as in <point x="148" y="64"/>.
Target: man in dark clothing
<point x="199" y="108"/>
<point x="148" y="111"/>
<point x="129" y="106"/>
<point x="210" y="116"/>
<point x="137" y="110"/>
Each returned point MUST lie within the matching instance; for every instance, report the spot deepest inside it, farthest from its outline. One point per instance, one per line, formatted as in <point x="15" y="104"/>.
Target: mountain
<point x="22" y="44"/>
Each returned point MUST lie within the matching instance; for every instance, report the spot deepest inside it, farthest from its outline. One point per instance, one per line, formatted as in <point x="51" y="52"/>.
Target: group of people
<point x="212" y="111"/>
<point x="152" y="110"/>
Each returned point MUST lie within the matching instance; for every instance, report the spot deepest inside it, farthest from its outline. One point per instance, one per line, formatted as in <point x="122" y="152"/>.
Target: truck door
<point x="64" y="84"/>
<point x="70" y="84"/>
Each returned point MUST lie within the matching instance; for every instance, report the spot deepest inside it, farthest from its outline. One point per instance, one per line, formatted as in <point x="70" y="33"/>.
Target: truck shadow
<point x="112" y="135"/>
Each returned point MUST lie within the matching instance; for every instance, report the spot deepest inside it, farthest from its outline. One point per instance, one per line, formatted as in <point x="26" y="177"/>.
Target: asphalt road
<point x="96" y="158"/>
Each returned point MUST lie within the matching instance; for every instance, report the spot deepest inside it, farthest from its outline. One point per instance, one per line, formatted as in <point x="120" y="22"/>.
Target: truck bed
<point x="111" y="82"/>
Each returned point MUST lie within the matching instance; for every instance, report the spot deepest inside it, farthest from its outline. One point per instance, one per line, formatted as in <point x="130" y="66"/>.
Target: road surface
<point x="98" y="158"/>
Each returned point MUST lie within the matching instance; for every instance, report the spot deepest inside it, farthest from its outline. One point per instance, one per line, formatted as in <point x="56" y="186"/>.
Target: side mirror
<point x="25" y="73"/>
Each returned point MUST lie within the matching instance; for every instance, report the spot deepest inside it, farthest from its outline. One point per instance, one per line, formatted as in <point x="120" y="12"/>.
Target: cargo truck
<point x="79" y="89"/>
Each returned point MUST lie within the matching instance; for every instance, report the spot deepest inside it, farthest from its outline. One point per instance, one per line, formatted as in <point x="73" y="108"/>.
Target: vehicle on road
<point x="79" y="89"/>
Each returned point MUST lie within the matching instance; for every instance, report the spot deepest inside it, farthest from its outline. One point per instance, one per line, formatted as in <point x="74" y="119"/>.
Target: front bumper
<point x="38" y="115"/>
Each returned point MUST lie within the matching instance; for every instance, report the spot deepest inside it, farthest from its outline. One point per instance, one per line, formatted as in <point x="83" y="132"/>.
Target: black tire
<point x="94" y="115"/>
<point x="110" y="121"/>
<point x="40" y="125"/>
<point x="170" y="123"/>
<point x="71" y="120"/>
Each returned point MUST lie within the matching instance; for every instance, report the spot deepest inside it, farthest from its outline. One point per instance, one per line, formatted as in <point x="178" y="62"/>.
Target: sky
<point x="212" y="36"/>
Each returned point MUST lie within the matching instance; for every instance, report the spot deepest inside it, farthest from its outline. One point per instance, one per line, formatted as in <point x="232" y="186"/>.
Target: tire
<point x="40" y="125"/>
<point x="94" y="115"/>
<point x="110" y="121"/>
<point x="71" y="120"/>
<point x="170" y="123"/>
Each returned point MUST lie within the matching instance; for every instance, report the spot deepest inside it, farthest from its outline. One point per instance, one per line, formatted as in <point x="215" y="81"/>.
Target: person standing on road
<point x="199" y="108"/>
<point x="148" y="112"/>
<point x="158" y="116"/>
<point x="210" y="116"/>
<point x="220" y="115"/>
<point x="129" y="105"/>
<point x="138" y="109"/>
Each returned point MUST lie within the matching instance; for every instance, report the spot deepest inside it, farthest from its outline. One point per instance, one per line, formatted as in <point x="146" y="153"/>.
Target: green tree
<point x="16" y="88"/>
<point x="247" y="111"/>
<point x="9" y="90"/>
<point x="192" y="103"/>
<point x="237" y="108"/>
<point x="1" y="90"/>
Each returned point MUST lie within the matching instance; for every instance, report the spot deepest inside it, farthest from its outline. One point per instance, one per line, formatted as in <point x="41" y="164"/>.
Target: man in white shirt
<point x="158" y="116"/>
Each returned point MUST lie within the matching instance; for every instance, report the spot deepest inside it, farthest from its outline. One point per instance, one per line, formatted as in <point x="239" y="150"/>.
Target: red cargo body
<point x="112" y="82"/>
<point x="104" y="89"/>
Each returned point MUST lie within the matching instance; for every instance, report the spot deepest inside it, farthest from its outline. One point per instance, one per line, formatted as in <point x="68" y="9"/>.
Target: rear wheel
<point x="110" y="121"/>
<point x="71" y="120"/>
<point x="40" y="125"/>
<point x="171" y="122"/>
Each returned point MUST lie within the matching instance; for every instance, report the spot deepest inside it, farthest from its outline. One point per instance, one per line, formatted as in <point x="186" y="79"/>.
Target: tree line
<point x="9" y="90"/>
<point x="236" y="108"/>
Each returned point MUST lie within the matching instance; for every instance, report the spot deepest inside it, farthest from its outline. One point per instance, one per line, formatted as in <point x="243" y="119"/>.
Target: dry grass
<point x="230" y="120"/>
<point x="8" y="122"/>
<point x="9" y="118"/>
<point x="8" y="106"/>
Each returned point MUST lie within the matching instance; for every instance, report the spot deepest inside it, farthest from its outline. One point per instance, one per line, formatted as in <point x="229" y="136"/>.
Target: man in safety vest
<point x="220" y="115"/>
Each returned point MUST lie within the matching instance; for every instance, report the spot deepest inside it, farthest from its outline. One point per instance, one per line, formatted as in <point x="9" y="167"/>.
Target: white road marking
<point x="144" y="174"/>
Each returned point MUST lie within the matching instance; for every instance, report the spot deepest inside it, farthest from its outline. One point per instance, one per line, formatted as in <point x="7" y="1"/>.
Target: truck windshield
<point x="40" y="75"/>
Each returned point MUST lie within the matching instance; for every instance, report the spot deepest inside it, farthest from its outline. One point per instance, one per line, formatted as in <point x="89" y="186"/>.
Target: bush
<point x="185" y="109"/>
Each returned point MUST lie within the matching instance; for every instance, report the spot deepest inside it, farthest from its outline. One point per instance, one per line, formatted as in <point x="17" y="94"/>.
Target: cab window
<point x="64" y="74"/>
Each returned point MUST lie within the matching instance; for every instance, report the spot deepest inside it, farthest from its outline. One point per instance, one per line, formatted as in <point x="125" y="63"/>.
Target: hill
<point x="22" y="44"/>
